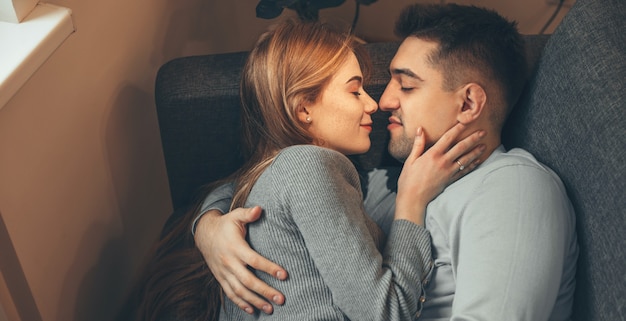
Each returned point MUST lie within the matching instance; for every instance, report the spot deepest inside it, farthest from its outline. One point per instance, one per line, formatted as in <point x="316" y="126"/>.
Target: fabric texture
<point x="315" y="227"/>
<point x="572" y="119"/>
<point x="504" y="242"/>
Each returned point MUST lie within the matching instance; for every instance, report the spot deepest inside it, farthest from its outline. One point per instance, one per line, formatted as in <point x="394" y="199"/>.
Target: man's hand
<point x="221" y="240"/>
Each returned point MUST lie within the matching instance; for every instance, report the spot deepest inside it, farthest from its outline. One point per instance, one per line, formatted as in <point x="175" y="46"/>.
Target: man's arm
<point x="219" y="199"/>
<point x="511" y="246"/>
<point x="221" y="240"/>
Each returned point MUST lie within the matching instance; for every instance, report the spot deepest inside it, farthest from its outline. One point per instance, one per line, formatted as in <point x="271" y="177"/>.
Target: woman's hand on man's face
<point x="425" y="174"/>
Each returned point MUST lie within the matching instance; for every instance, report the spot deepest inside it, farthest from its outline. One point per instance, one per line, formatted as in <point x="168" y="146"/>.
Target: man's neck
<point x="491" y="142"/>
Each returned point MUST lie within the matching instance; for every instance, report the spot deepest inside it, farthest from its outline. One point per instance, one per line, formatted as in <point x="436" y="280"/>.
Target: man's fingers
<point x="245" y="294"/>
<point x="243" y="288"/>
<point x="247" y="215"/>
<point x="237" y="300"/>
<point x="259" y="263"/>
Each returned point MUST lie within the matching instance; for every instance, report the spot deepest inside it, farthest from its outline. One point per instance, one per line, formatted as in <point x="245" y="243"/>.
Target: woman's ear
<point x="473" y="98"/>
<point x="304" y="115"/>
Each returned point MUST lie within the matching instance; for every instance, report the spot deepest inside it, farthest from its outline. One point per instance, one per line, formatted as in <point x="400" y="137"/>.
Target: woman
<point x="303" y="110"/>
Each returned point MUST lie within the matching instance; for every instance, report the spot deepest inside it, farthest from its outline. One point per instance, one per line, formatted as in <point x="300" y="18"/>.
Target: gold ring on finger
<point x="461" y="166"/>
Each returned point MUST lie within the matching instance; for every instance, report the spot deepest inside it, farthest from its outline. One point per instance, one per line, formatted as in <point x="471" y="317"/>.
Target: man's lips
<point x="394" y="122"/>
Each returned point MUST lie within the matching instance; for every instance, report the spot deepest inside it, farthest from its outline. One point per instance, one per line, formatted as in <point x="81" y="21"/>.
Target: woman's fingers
<point x="468" y="162"/>
<point x="447" y="140"/>
<point x="419" y="143"/>
<point x="466" y="146"/>
<point x="460" y="156"/>
<point x="465" y="155"/>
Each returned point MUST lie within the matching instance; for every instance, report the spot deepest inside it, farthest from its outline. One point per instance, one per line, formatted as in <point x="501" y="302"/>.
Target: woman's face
<point x="340" y="119"/>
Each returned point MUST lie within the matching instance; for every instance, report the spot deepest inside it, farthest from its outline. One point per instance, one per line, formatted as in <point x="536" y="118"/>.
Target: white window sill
<point x="27" y="45"/>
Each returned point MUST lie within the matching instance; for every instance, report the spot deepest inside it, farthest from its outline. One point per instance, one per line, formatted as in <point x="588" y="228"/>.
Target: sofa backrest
<point x="197" y="104"/>
<point x="197" y="101"/>
<point x="571" y="117"/>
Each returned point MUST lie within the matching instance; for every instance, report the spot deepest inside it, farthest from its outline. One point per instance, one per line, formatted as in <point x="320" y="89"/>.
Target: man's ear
<point x="473" y="99"/>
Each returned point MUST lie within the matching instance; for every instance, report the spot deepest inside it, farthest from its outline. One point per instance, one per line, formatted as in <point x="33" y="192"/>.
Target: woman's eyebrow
<point x="357" y="78"/>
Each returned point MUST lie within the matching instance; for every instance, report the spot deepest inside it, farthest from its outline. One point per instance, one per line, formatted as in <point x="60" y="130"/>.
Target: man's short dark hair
<point x="472" y="41"/>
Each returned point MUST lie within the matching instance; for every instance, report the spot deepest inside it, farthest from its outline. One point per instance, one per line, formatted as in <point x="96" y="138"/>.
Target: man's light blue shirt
<point x="504" y="241"/>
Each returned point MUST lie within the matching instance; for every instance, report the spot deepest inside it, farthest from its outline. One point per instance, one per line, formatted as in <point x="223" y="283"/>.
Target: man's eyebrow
<point x="407" y="72"/>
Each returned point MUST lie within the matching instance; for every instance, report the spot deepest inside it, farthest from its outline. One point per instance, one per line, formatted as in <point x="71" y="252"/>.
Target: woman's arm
<point x="229" y="257"/>
<point x="425" y="174"/>
<point x="319" y="190"/>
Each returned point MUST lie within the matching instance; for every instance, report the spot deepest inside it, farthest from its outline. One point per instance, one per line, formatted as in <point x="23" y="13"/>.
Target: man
<point x="503" y="236"/>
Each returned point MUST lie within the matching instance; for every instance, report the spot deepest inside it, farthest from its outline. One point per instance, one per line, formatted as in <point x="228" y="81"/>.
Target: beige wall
<point x="83" y="189"/>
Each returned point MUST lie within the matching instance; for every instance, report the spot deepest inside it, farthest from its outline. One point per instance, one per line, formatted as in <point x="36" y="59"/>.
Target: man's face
<point x="416" y="98"/>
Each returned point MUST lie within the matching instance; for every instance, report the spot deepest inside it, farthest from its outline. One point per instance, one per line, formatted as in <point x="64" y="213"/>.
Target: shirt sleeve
<point x="510" y="244"/>
<point x="219" y="199"/>
<point x="380" y="189"/>
<point x="324" y="197"/>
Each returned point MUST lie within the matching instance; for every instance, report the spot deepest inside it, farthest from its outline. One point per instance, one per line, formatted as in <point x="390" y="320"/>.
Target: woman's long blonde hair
<point x="289" y="68"/>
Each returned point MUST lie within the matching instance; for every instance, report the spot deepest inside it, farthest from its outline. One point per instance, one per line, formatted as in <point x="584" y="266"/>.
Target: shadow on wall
<point x="102" y="284"/>
<point x="132" y="148"/>
<point x="133" y="151"/>
<point x="203" y="27"/>
<point x="182" y="25"/>
<point x="13" y="275"/>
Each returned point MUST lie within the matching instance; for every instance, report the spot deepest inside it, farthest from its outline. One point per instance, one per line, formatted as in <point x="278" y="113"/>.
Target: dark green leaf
<point x="285" y="3"/>
<point x="366" y="2"/>
<point x="322" y="4"/>
<point x="267" y="9"/>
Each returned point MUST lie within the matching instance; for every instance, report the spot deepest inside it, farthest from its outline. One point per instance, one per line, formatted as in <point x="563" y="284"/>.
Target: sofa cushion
<point x="572" y="119"/>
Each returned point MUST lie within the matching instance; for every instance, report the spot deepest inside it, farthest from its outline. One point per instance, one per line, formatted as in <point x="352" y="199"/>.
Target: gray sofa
<point x="571" y="116"/>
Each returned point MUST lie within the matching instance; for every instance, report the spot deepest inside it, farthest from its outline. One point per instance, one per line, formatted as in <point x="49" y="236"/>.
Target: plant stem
<point x="356" y="17"/>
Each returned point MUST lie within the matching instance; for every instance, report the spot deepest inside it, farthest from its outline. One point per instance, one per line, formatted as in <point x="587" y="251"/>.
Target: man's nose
<point x="388" y="101"/>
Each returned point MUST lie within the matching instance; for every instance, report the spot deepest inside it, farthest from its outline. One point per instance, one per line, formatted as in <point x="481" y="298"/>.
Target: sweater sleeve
<point x="321" y="190"/>
<point x="219" y="199"/>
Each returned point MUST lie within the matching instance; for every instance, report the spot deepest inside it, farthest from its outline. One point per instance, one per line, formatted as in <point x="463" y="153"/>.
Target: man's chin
<point x="399" y="151"/>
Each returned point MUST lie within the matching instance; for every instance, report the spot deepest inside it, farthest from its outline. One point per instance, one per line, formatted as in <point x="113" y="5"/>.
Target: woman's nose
<point x="371" y="106"/>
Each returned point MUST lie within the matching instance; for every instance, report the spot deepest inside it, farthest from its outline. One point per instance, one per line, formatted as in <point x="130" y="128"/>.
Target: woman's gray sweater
<point x="315" y="227"/>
